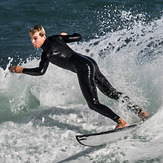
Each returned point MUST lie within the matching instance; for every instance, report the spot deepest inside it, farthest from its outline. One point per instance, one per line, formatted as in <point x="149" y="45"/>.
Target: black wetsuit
<point x="56" y="51"/>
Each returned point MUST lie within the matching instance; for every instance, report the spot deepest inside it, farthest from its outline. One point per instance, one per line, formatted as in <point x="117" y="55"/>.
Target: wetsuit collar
<point x="44" y="44"/>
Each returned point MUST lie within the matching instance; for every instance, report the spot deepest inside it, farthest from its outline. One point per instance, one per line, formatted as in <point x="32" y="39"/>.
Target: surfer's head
<point x="37" y="28"/>
<point x="38" y="35"/>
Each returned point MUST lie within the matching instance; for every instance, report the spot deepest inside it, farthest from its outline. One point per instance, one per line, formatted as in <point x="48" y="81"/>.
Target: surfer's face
<point x="37" y="40"/>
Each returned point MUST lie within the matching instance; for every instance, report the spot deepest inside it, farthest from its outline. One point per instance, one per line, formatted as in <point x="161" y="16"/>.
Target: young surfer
<point x="56" y="51"/>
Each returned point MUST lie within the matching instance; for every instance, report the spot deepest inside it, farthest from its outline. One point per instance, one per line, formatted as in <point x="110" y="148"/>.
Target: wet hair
<point x="37" y="28"/>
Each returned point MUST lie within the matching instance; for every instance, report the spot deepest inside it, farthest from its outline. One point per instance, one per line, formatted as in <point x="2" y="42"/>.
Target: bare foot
<point x="143" y="115"/>
<point x="121" y="123"/>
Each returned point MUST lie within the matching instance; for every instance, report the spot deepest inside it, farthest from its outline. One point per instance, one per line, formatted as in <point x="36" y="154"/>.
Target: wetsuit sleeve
<point x="72" y="38"/>
<point x="42" y="66"/>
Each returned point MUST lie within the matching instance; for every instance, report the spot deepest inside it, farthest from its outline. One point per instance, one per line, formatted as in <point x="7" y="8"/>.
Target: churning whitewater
<point x="40" y="116"/>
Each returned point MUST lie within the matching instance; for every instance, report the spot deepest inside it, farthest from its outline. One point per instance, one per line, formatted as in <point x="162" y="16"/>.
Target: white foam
<point x="47" y="134"/>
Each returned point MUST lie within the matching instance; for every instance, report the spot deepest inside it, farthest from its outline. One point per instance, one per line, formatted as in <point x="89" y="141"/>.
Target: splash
<point x="51" y="108"/>
<point x="130" y="58"/>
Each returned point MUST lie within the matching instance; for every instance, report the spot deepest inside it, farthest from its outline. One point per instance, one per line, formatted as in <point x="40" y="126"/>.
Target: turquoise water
<point x="40" y="116"/>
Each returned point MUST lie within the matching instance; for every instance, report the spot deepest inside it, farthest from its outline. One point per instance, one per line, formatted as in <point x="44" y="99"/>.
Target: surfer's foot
<point x="143" y="115"/>
<point x="121" y="123"/>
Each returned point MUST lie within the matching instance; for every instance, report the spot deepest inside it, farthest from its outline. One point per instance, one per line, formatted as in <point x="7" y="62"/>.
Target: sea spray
<point x="44" y="130"/>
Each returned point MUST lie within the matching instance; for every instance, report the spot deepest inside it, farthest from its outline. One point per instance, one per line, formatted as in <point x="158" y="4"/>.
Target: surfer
<point x="57" y="52"/>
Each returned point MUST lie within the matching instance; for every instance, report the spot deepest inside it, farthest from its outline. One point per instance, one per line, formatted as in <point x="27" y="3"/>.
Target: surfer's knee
<point x="94" y="105"/>
<point x="115" y="95"/>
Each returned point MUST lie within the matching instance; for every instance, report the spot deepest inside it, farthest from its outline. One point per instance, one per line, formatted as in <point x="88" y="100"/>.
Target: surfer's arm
<point x="34" y="71"/>
<point x="42" y="66"/>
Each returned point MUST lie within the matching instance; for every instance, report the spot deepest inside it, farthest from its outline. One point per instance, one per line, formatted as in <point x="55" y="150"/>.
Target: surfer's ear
<point x="44" y="37"/>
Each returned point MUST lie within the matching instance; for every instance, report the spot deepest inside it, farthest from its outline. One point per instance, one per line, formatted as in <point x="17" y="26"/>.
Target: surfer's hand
<point x="63" y="34"/>
<point x="143" y="115"/>
<point x="16" y="69"/>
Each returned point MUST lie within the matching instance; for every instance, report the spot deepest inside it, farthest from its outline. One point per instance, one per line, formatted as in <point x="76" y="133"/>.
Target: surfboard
<point x="101" y="138"/>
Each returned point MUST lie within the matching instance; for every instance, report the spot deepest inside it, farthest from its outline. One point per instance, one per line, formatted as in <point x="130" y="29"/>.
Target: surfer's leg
<point x="136" y="108"/>
<point x="103" y="84"/>
<point x="88" y="87"/>
<point x="106" y="88"/>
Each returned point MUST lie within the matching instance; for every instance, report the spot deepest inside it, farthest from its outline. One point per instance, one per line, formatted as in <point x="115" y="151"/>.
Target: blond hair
<point x="37" y="28"/>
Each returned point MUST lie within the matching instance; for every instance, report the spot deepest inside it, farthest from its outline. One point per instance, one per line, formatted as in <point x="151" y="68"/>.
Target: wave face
<point x="40" y="116"/>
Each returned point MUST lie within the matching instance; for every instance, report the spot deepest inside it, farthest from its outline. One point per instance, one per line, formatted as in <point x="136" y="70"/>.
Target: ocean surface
<point x="40" y="116"/>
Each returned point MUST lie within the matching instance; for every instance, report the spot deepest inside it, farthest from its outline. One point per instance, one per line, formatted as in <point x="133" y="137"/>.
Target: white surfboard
<point x="101" y="138"/>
